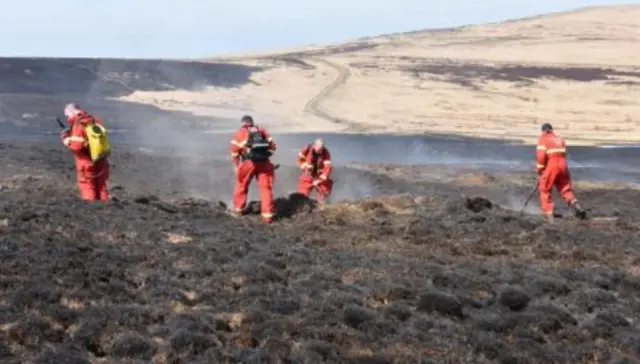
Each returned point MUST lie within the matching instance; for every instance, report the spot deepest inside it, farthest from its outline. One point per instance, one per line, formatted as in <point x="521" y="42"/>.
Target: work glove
<point x="64" y="134"/>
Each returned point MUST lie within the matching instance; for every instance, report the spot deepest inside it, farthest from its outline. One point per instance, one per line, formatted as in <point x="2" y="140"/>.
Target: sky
<point x="198" y="28"/>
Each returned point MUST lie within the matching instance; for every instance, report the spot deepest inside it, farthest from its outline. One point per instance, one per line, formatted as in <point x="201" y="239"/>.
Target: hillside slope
<point x="579" y="70"/>
<point x="396" y="279"/>
<point x="425" y="264"/>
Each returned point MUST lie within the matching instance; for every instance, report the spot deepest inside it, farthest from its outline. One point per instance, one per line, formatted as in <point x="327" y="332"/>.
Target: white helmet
<point x="71" y="110"/>
<point x="318" y="143"/>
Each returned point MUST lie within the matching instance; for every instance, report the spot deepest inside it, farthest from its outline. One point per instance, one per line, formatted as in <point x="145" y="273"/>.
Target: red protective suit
<point x="91" y="178"/>
<point x="246" y="170"/>
<point x="316" y="172"/>
<point x="553" y="171"/>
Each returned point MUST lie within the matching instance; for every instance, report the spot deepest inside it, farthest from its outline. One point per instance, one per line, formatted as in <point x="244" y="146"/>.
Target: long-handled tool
<point x="533" y="192"/>
<point x="62" y="126"/>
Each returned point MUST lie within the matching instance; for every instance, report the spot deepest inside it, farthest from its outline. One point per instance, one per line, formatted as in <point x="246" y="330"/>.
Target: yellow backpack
<point x="97" y="141"/>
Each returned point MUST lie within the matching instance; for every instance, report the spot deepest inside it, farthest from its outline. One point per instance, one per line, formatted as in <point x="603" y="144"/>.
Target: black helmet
<point x="247" y="118"/>
<point x="546" y="127"/>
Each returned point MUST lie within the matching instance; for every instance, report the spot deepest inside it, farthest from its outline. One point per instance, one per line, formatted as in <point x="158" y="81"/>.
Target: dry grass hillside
<point x="579" y="69"/>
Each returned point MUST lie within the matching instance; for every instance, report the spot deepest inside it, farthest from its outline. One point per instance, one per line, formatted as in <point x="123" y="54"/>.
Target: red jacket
<point x="76" y="140"/>
<point x="322" y="163"/>
<point x="551" y="150"/>
<point x="241" y="138"/>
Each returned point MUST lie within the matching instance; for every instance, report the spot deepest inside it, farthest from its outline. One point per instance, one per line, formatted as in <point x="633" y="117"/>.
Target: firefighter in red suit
<point x="553" y="171"/>
<point x="315" y="162"/>
<point x="91" y="177"/>
<point x="251" y="148"/>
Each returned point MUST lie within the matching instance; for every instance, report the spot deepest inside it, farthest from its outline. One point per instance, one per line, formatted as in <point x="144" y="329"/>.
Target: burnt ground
<point x="427" y="276"/>
<point x="114" y="77"/>
<point x="473" y="75"/>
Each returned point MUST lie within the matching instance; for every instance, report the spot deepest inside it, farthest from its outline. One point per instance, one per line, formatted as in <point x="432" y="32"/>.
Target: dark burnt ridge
<point x="473" y="74"/>
<point x="292" y="61"/>
<point x="336" y="49"/>
<point x="114" y="77"/>
<point x="35" y="114"/>
<point x="430" y="277"/>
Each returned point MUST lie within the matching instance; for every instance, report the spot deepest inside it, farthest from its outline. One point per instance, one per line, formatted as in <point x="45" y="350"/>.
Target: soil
<point x="420" y="272"/>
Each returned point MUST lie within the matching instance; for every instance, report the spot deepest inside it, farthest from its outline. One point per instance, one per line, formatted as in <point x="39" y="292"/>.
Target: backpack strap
<point x="314" y="160"/>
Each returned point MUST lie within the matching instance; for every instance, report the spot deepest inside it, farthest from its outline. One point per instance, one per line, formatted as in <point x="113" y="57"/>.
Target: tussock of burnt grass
<point x="401" y="279"/>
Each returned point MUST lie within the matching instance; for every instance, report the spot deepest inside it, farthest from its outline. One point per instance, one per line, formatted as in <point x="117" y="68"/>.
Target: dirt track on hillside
<point x="397" y="279"/>
<point x="314" y="105"/>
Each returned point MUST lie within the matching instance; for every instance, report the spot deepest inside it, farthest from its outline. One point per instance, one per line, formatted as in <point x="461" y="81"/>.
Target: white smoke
<point x="202" y="164"/>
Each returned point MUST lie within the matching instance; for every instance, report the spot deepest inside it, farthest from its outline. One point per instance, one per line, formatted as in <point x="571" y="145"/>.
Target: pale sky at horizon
<point x="196" y="28"/>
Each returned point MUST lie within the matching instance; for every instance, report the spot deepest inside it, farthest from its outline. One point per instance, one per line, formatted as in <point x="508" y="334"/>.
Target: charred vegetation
<point x="152" y="277"/>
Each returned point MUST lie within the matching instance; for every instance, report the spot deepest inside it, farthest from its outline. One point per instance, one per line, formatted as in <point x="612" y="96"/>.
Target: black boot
<point x="578" y="211"/>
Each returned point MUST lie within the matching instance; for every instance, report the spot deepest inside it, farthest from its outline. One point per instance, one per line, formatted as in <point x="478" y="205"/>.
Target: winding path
<point x="313" y="106"/>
